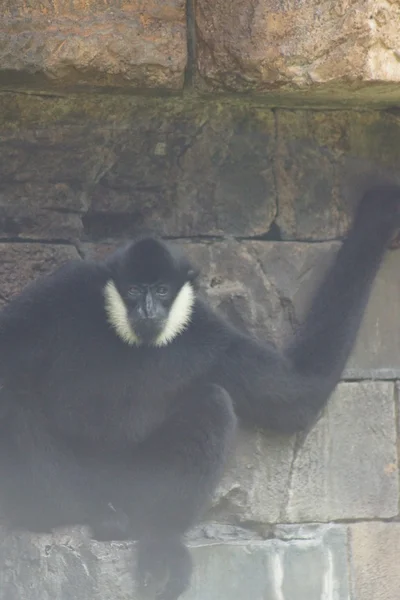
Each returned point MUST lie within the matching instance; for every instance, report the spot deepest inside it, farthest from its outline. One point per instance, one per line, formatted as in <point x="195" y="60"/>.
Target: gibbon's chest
<point x="113" y="391"/>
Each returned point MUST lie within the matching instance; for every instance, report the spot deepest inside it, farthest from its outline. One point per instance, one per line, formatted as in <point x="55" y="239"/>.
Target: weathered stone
<point x="306" y="564"/>
<point x="44" y="176"/>
<point x="185" y="169"/>
<point x="347" y="468"/>
<point x="324" y="161"/>
<point x="95" y="43"/>
<point x="375" y="551"/>
<point x="189" y="174"/>
<point x="301" y="564"/>
<point x="310" y="149"/>
<point x="377" y="350"/>
<point x="255" y="486"/>
<point x="316" y="52"/>
<point x="22" y="263"/>
<point x="176" y="170"/>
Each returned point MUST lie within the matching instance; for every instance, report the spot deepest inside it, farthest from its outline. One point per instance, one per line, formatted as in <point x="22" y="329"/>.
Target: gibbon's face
<point x="150" y="299"/>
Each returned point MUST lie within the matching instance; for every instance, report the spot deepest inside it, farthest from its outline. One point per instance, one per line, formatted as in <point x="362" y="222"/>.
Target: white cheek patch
<point x="179" y="315"/>
<point x="118" y="315"/>
<point x="178" y="319"/>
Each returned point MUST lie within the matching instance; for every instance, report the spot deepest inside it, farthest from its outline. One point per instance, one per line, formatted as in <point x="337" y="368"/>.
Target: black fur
<point x="94" y="431"/>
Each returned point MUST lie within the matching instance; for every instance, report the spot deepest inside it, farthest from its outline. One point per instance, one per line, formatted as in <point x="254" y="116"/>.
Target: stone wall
<point x="183" y="119"/>
<point x="285" y="51"/>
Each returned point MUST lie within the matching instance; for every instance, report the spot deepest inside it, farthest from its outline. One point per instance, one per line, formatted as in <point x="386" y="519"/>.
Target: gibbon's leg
<point x="176" y="472"/>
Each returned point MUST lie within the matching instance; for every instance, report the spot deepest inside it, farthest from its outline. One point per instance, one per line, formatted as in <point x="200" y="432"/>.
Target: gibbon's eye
<point x="162" y="290"/>
<point x="134" y="291"/>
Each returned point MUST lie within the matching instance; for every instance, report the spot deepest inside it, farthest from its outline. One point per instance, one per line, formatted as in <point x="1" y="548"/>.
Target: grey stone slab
<point x="204" y="172"/>
<point x="87" y="46"/>
<point x="323" y="163"/>
<point x="255" y="485"/>
<point x="309" y="566"/>
<point x="172" y="167"/>
<point x="306" y="563"/>
<point x="376" y="354"/>
<point x="375" y="553"/>
<point x="347" y="468"/>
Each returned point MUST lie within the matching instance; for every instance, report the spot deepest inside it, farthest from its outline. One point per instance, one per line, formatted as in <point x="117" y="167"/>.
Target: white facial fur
<point x="178" y="317"/>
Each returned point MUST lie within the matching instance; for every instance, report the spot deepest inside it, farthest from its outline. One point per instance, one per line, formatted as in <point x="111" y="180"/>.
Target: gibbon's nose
<point x="149" y="309"/>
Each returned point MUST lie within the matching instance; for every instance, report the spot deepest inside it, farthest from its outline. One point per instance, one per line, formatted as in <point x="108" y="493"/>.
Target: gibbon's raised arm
<point x="287" y="392"/>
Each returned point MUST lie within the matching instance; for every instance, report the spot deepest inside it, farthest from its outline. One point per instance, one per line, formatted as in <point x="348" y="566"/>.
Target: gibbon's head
<point x="150" y="296"/>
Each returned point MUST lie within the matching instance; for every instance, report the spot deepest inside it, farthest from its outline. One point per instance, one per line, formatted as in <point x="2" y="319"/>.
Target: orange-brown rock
<point x="320" y="50"/>
<point x="100" y="43"/>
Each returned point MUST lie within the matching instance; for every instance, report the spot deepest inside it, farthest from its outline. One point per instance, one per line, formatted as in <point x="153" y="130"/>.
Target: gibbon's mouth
<point x="148" y="330"/>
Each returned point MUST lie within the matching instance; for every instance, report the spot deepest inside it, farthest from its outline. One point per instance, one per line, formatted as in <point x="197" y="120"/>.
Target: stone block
<point x="303" y="563"/>
<point x="192" y="173"/>
<point x="376" y="353"/>
<point x="22" y="263"/>
<point x="312" y="52"/>
<point x="324" y="162"/>
<point x="44" y="177"/>
<point x="167" y="167"/>
<point x="346" y="468"/>
<point x="93" y="44"/>
<point x="375" y="552"/>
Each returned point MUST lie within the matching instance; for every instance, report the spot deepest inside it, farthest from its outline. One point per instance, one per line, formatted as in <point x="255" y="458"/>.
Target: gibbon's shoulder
<point x="68" y="285"/>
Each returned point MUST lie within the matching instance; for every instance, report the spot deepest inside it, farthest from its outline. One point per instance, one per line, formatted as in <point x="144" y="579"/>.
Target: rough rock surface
<point x="318" y="51"/>
<point x="346" y="468"/>
<point x="96" y="43"/>
<point x="302" y="563"/>
<point x="375" y="552"/>
<point x="177" y="169"/>
<point x="85" y="168"/>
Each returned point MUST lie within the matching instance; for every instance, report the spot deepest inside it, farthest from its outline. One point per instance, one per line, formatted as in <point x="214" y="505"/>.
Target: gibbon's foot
<point x="164" y="569"/>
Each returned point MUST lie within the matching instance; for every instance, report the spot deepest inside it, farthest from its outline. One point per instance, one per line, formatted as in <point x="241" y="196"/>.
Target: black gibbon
<point x="120" y="389"/>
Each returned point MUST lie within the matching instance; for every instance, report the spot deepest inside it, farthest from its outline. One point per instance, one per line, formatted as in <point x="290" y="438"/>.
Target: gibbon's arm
<point x="287" y="392"/>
